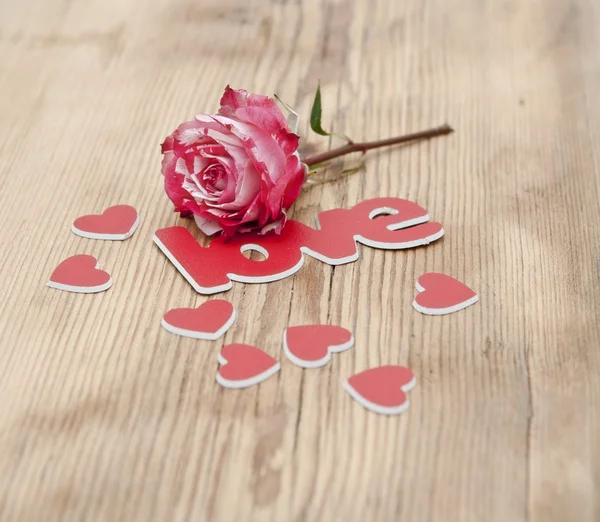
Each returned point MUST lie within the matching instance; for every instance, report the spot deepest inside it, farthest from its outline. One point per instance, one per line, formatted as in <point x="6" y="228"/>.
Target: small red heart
<point x="209" y="321"/>
<point x="115" y="223"/>
<point x="310" y="346"/>
<point x="244" y="365"/>
<point x="80" y="274"/>
<point x="441" y="294"/>
<point x="382" y="389"/>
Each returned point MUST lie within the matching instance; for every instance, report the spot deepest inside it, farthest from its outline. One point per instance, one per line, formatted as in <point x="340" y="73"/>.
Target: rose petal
<point x="174" y="189"/>
<point x="258" y="144"/>
<point x="234" y="100"/>
<point x="294" y="185"/>
<point x="209" y="227"/>
<point x="238" y="170"/>
<point x="271" y="124"/>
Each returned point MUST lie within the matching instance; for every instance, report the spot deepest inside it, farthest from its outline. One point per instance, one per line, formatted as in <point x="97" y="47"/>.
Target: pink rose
<point x="237" y="170"/>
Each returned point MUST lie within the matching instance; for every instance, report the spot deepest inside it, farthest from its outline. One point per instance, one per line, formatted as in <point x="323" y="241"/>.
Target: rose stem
<point x="368" y="145"/>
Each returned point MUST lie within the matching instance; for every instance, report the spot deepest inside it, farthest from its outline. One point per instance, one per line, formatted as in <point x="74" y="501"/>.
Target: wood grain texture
<point x="106" y="417"/>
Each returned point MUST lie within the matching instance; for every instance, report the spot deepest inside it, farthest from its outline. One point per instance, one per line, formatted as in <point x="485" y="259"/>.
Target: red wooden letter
<point x="210" y="270"/>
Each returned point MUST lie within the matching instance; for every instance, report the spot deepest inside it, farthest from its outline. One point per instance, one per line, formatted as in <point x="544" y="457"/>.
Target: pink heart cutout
<point x="311" y="346"/>
<point x="115" y="223"/>
<point x="244" y="365"/>
<point x="209" y="321"/>
<point x="382" y="389"/>
<point x="80" y="274"/>
<point x="441" y="294"/>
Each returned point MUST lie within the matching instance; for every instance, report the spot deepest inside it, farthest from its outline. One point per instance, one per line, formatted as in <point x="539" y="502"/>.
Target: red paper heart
<point x="441" y="294"/>
<point x="382" y="389"/>
<point x="244" y="365"/>
<point x="115" y="223"/>
<point x="310" y="346"/>
<point x="80" y="274"/>
<point x="209" y="321"/>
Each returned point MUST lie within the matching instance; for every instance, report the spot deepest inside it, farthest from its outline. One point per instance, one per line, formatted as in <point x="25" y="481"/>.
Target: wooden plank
<point x="108" y="417"/>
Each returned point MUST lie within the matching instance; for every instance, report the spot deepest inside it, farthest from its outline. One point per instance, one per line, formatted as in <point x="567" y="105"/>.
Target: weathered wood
<point x="107" y="417"/>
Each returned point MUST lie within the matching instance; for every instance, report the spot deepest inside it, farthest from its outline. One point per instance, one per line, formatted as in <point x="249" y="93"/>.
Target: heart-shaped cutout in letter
<point x="441" y="294"/>
<point x="209" y="321"/>
<point x="382" y="389"/>
<point x="311" y="346"/>
<point x="115" y="223"/>
<point x="244" y="365"/>
<point x="80" y="274"/>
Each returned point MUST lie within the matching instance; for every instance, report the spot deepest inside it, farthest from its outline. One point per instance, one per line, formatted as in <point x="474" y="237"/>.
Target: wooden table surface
<point x="107" y="417"/>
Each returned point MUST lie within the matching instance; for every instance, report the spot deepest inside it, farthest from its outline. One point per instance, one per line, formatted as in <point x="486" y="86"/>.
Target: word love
<point x="387" y="223"/>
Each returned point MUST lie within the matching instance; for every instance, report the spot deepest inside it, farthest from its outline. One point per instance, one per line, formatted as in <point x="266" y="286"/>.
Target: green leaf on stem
<point x="352" y="170"/>
<point x="317" y="177"/>
<point x="293" y="118"/>
<point x="315" y="114"/>
<point x="315" y="118"/>
<point x="318" y="166"/>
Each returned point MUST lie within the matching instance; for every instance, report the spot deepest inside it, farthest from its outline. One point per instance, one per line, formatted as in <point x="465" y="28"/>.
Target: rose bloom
<point x="235" y="171"/>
